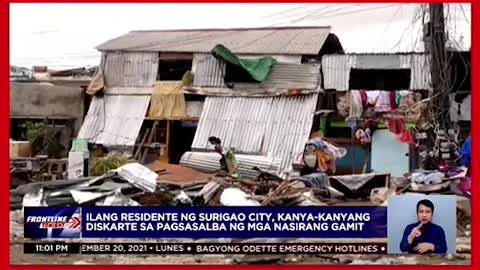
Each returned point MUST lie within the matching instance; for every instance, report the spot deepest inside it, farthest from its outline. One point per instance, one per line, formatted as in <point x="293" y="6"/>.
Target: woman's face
<point x="424" y="214"/>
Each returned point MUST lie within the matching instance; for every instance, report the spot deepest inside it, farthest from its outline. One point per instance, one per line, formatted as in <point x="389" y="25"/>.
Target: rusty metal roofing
<point x="114" y="120"/>
<point x="284" y="40"/>
<point x="268" y="126"/>
<point x="178" y="175"/>
<point x="336" y="68"/>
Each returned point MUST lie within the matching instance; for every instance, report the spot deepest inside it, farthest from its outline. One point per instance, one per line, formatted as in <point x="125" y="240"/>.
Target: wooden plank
<point x="275" y="193"/>
<point x="140" y="146"/>
<point x="150" y="138"/>
<point x="129" y="91"/>
<point x="167" y="143"/>
<point x="403" y="189"/>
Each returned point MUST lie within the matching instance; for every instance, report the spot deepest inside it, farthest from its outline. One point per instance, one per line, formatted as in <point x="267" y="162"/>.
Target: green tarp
<point x="259" y="69"/>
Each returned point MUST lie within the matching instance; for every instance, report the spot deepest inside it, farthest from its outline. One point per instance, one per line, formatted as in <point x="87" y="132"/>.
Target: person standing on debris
<point x="424" y="237"/>
<point x="217" y="145"/>
<point x="228" y="162"/>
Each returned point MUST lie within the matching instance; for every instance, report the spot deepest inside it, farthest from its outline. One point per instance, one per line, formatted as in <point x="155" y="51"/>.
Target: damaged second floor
<point x="140" y="58"/>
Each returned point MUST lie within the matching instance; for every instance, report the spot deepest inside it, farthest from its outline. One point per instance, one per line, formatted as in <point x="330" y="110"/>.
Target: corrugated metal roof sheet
<point x="293" y="76"/>
<point x="420" y="70"/>
<point x="336" y="71"/>
<point x="209" y="162"/>
<point x="114" y="120"/>
<point x="210" y="73"/>
<point x="336" y="68"/>
<point x="130" y="69"/>
<point x="270" y="126"/>
<point x="285" y="40"/>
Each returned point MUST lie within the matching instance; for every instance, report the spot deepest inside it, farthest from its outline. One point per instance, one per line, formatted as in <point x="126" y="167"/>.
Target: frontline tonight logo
<point x="52" y="222"/>
<point x="55" y="222"/>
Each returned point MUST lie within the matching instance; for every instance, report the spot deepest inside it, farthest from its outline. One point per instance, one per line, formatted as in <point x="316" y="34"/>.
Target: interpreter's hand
<point x="424" y="247"/>
<point x="415" y="233"/>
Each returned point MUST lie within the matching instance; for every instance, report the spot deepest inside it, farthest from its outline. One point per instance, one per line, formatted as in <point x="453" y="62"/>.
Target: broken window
<point x="236" y="74"/>
<point x="379" y="79"/>
<point x="173" y="67"/>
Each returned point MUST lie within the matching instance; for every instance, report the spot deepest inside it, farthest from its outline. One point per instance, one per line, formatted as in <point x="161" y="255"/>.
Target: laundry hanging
<point x="168" y="101"/>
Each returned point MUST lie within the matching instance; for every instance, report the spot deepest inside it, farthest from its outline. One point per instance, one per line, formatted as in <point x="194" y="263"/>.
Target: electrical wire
<point x="201" y="37"/>
<point x="281" y="13"/>
<point x="344" y="13"/>
<point x="315" y="12"/>
<point x="464" y="14"/>
<point x="453" y="40"/>
<point x="417" y="16"/>
<point x="196" y="37"/>
<point x="388" y="25"/>
<point x="324" y="12"/>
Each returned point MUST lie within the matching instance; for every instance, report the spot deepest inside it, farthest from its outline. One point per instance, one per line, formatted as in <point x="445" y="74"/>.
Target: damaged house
<point x="151" y="103"/>
<point x="406" y="78"/>
<point x="375" y="75"/>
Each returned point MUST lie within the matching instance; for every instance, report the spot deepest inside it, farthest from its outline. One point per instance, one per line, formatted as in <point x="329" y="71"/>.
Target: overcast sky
<point x="65" y="35"/>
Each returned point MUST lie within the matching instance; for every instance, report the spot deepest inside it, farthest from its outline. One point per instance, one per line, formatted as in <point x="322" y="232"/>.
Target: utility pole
<point x="439" y="67"/>
<point x="440" y="75"/>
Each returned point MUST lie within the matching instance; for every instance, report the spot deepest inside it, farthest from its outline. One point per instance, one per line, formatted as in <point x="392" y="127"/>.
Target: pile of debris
<point x="115" y="188"/>
<point x="160" y="184"/>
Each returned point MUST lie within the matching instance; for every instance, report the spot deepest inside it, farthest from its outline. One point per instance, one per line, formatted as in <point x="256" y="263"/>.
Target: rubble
<point x="178" y="176"/>
<point x="380" y="195"/>
<point x="464" y="245"/>
<point x="160" y="184"/>
<point x="108" y="189"/>
<point x="236" y="197"/>
<point x="436" y="180"/>
<point x="162" y="198"/>
<point x="207" y="193"/>
<point x="117" y="199"/>
<point x="410" y="260"/>
<point x="16" y="225"/>
<point x="182" y="199"/>
<point x="139" y="176"/>
<point x="259" y="259"/>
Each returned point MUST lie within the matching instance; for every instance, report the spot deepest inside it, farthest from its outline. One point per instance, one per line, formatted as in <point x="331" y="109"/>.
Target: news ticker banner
<point x="205" y="248"/>
<point x="205" y="222"/>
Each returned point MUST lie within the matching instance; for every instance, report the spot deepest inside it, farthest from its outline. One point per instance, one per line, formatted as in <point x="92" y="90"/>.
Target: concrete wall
<point x="40" y="100"/>
<point x="74" y="83"/>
